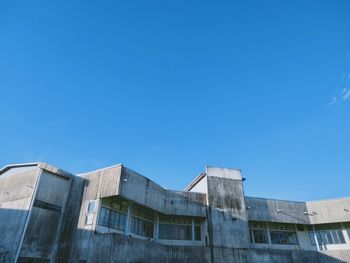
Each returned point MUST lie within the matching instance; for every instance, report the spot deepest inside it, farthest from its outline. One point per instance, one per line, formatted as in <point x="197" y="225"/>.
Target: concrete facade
<point x="117" y="215"/>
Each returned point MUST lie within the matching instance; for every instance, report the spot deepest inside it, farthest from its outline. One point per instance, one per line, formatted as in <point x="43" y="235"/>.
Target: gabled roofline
<point x="44" y="166"/>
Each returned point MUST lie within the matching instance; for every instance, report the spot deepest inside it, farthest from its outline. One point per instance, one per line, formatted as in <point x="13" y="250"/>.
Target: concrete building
<point x="117" y="215"/>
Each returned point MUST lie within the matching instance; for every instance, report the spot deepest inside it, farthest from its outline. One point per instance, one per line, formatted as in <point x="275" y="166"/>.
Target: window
<point x="116" y="204"/>
<point x="91" y="208"/>
<point x="326" y="234"/>
<point x="283" y="237"/>
<point x="142" y="227"/>
<point x="104" y="216"/>
<point x="260" y="236"/>
<point x="281" y="226"/>
<point x="112" y="219"/>
<point x="142" y="221"/>
<point x="197" y="229"/>
<point x="300" y="228"/>
<point x="179" y="228"/>
<point x="258" y="232"/>
<point x="113" y="213"/>
<point x="312" y="237"/>
<point x="175" y="232"/>
<point x="283" y="234"/>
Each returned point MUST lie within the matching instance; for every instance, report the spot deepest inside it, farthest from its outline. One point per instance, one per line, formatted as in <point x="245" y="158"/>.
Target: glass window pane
<point x="91" y="206"/>
<point x="323" y="237"/>
<point x="341" y="237"/>
<point x="197" y="232"/>
<point x="112" y="218"/>
<point x="335" y="236"/>
<point x="141" y="227"/>
<point x="177" y="232"/>
<point x="329" y="237"/>
<point x="257" y="225"/>
<point x="283" y="237"/>
<point x="260" y="236"/>
<point x="104" y="217"/>
<point x="312" y="238"/>
<point x="280" y="226"/>
<point x="122" y="222"/>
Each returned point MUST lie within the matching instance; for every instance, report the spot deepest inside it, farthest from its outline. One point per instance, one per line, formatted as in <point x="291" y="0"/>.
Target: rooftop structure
<point x="117" y="215"/>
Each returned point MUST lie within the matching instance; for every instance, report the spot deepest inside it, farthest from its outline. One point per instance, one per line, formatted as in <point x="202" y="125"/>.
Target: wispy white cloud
<point x="342" y="96"/>
<point x="345" y="94"/>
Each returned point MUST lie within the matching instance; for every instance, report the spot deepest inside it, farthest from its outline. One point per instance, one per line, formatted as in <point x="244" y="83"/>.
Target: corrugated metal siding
<point x="102" y="183"/>
<point x="110" y="179"/>
<point x="91" y="185"/>
<point x="329" y="211"/>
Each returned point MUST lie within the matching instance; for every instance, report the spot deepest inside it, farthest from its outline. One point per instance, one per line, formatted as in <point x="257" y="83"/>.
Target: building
<point x="117" y="215"/>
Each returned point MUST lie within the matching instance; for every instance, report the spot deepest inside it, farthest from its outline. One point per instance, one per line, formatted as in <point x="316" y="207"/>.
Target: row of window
<point x="285" y="234"/>
<point x="327" y="237"/>
<point x="113" y="214"/>
<point x="282" y="234"/>
<point x="277" y="237"/>
<point x="112" y="218"/>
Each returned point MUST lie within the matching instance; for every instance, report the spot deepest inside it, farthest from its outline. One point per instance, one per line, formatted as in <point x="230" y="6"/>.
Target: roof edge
<point x="16" y="165"/>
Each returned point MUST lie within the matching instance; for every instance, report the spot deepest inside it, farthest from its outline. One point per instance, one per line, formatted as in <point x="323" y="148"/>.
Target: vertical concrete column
<point x="156" y="227"/>
<point x="228" y="215"/>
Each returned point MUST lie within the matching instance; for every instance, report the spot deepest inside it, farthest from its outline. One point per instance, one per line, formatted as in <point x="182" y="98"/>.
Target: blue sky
<point x="167" y="87"/>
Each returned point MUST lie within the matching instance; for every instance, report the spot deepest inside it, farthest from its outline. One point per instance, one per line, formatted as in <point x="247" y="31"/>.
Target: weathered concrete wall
<point x="136" y="188"/>
<point x="316" y="212"/>
<point x="143" y="191"/>
<point x="16" y="191"/>
<point x="117" y="248"/>
<point x="227" y="218"/>
<point x="271" y="210"/>
<point x="43" y="232"/>
<point x="71" y="236"/>
<point x="122" y="249"/>
<point x="270" y="256"/>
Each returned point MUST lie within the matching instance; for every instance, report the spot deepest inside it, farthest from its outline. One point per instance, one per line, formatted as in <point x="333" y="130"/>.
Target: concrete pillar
<point x="226" y="197"/>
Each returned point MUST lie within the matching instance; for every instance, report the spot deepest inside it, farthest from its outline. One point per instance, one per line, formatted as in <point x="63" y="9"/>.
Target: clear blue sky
<point x="167" y="87"/>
